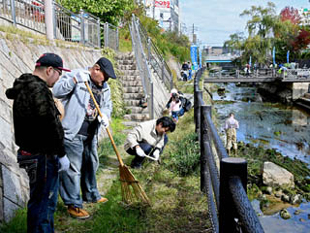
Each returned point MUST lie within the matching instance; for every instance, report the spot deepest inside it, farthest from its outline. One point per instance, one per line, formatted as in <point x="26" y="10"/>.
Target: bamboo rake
<point x="126" y="177"/>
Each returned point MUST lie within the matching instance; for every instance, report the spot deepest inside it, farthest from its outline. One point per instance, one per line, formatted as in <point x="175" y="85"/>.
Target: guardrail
<point x="154" y="57"/>
<point x="83" y="27"/>
<point x="145" y="72"/>
<point x="284" y="74"/>
<point x="229" y="208"/>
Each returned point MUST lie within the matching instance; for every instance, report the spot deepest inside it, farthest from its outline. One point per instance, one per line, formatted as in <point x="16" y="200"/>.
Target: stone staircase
<point x="133" y="89"/>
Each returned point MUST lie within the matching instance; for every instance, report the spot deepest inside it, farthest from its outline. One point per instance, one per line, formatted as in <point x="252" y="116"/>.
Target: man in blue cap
<point x="81" y="124"/>
<point x="40" y="137"/>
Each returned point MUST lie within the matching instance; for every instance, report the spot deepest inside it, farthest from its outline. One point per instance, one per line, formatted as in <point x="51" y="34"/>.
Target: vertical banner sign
<point x="274" y="56"/>
<point x="288" y="57"/>
<point x="250" y="61"/>
<point x="200" y="57"/>
<point x="194" y="56"/>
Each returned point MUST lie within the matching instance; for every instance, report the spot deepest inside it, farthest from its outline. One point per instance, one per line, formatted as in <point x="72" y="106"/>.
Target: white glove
<point x="82" y="76"/>
<point x="140" y="152"/>
<point x="156" y="154"/>
<point x="104" y="120"/>
<point x="64" y="163"/>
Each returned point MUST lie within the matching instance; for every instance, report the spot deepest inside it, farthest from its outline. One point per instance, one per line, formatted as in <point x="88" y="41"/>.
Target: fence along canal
<point x="229" y="208"/>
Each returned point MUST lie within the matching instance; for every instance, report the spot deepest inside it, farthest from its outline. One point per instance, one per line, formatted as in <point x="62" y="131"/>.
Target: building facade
<point x="166" y="12"/>
<point x="304" y="14"/>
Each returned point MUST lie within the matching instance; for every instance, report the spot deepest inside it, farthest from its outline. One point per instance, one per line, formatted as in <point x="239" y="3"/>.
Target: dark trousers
<point x="44" y="182"/>
<point x="147" y="148"/>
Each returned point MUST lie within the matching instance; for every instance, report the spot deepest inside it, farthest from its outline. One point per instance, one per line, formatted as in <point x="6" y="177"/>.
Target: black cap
<point x="107" y="67"/>
<point x="51" y="59"/>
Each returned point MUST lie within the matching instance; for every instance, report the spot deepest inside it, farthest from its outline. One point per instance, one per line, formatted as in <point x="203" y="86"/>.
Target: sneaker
<point x="77" y="212"/>
<point x="101" y="200"/>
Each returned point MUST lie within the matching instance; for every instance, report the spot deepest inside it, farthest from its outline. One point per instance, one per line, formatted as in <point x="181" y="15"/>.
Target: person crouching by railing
<point x="148" y="139"/>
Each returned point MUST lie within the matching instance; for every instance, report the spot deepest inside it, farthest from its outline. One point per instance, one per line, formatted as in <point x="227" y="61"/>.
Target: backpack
<point x="186" y="104"/>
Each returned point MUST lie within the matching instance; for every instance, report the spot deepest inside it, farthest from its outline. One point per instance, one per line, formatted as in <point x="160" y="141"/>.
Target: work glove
<point x="156" y="154"/>
<point x="82" y="76"/>
<point x="140" y="152"/>
<point x="64" y="163"/>
<point x="104" y="120"/>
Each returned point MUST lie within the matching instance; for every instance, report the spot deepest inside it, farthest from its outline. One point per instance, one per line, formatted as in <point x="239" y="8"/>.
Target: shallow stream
<point x="271" y="125"/>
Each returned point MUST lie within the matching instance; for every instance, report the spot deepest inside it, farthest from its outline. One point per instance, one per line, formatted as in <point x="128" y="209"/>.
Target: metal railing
<point x="111" y="36"/>
<point x="229" y="207"/>
<point x="83" y="27"/>
<point x="145" y="72"/>
<point x="154" y="57"/>
<point x="28" y="13"/>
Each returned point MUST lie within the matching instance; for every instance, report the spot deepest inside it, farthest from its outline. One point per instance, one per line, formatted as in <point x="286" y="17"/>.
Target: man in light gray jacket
<point x="148" y="138"/>
<point x="81" y="124"/>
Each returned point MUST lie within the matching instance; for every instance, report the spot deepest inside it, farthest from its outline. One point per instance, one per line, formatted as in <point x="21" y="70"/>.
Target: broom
<point x="128" y="181"/>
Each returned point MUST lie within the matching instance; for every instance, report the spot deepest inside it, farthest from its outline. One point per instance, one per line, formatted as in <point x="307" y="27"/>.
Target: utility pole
<point x="153" y="9"/>
<point x="194" y="34"/>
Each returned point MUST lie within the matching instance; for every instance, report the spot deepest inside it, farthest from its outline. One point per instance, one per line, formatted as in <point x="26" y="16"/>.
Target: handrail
<point x="226" y="191"/>
<point x="155" y="57"/>
<point x="142" y="65"/>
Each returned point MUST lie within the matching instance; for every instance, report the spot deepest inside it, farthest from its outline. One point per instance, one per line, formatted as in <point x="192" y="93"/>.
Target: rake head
<point x="131" y="188"/>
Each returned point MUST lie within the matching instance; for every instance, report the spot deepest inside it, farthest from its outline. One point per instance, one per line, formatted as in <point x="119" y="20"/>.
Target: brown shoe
<point x="102" y="200"/>
<point x="78" y="213"/>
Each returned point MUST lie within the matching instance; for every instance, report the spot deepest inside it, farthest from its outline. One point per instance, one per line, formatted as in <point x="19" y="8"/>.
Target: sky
<point x="215" y="20"/>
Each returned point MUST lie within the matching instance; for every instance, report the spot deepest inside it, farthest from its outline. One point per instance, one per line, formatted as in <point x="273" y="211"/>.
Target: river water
<point x="286" y="129"/>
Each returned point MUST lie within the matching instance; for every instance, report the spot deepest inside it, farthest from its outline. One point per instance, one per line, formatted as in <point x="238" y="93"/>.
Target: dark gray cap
<point x="107" y="67"/>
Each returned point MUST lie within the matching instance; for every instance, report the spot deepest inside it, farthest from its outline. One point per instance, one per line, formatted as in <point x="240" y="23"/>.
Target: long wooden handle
<point x="107" y="129"/>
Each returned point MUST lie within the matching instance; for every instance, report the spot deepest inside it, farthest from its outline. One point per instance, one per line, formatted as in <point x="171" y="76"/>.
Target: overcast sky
<point x="217" y="19"/>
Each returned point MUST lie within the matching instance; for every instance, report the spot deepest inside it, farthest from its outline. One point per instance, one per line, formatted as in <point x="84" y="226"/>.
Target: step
<point x="126" y="78"/>
<point x="130" y="72"/>
<point x="128" y="56"/>
<point x="130" y="102"/>
<point x="137" y="117"/>
<point x="133" y="89"/>
<point x="136" y="110"/>
<point x="133" y="96"/>
<point x="126" y="62"/>
<point x="135" y="83"/>
<point x="127" y="67"/>
<point x="131" y="123"/>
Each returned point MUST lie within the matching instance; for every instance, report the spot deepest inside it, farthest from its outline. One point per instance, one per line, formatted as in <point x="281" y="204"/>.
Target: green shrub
<point x="185" y="158"/>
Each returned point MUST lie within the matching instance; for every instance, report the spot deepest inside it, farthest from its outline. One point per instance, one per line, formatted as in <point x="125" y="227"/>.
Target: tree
<point x="302" y="40"/>
<point x="260" y="28"/>
<point x="110" y="11"/>
<point x="262" y="19"/>
<point x="235" y="42"/>
<point x="291" y="14"/>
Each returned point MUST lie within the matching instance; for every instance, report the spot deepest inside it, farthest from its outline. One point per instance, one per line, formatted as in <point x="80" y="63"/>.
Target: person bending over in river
<point x="231" y="124"/>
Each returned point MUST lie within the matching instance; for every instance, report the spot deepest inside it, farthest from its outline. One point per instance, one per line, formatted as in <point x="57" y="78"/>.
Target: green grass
<point x="177" y="203"/>
<point x="18" y="224"/>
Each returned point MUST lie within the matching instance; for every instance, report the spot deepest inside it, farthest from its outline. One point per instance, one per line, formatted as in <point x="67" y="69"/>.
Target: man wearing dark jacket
<point x="39" y="135"/>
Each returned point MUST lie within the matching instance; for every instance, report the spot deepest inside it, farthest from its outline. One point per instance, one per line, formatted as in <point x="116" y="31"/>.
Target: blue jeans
<point x="84" y="162"/>
<point x="175" y="115"/>
<point x="44" y="182"/>
<point x="189" y="74"/>
<point x="181" y="112"/>
<point x="147" y="148"/>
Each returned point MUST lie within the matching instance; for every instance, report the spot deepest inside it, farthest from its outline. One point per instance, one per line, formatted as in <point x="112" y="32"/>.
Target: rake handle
<point x="107" y="129"/>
